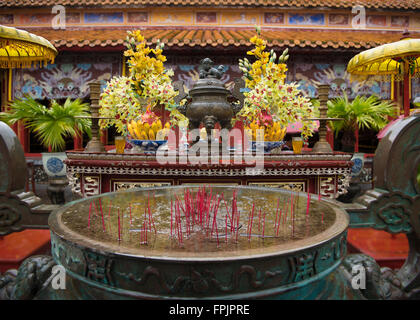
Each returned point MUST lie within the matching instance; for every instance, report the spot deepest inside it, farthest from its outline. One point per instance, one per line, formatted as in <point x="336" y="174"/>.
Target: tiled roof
<point x="392" y="4"/>
<point x="221" y="37"/>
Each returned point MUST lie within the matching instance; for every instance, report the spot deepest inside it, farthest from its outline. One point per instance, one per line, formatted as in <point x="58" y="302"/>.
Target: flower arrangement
<point x="133" y="98"/>
<point x="118" y="103"/>
<point x="151" y="82"/>
<point x="269" y="99"/>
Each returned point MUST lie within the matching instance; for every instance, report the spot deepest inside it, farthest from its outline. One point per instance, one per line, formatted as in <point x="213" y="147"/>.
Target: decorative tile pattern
<point x="222" y="37"/>
<point x="395" y="4"/>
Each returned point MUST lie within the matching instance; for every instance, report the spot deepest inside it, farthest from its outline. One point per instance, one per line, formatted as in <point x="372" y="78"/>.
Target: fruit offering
<point x="144" y="130"/>
<point x="271" y="133"/>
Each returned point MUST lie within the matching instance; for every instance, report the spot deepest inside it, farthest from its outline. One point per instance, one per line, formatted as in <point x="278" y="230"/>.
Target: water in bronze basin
<point x="270" y="226"/>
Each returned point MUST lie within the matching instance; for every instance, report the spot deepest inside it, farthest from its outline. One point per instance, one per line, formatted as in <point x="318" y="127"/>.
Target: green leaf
<point x="51" y="125"/>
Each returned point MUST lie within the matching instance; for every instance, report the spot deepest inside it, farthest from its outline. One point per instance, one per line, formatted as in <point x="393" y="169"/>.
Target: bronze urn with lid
<point x="209" y="102"/>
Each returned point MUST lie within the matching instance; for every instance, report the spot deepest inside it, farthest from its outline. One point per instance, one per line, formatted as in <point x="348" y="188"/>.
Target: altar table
<point x="95" y="173"/>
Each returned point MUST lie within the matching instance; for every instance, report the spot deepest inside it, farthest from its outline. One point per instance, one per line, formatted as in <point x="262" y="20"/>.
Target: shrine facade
<point x="321" y="37"/>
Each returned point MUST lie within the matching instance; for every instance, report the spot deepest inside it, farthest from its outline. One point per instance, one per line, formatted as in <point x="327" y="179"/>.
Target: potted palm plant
<point x="51" y="126"/>
<point x="361" y="113"/>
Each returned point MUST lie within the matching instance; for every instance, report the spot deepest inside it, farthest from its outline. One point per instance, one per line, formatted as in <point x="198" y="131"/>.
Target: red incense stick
<point x="276" y="221"/>
<point x="109" y="209"/>
<point x="109" y="215"/>
<point x="263" y="230"/>
<point x="90" y="211"/>
<point x="151" y="221"/>
<point x="171" y="216"/>
<point x="278" y="225"/>
<point x="214" y="218"/>
<point x="291" y="204"/>
<point x="227" y="209"/>
<point x="308" y="204"/>
<point x="119" y="226"/>
<point x="102" y="215"/>
<point x="237" y="225"/>
<point x="252" y="219"/>
<point x="226" y="228"/>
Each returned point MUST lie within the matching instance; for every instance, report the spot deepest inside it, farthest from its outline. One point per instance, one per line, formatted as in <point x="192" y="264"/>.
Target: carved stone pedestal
<point x="55" y="190"/>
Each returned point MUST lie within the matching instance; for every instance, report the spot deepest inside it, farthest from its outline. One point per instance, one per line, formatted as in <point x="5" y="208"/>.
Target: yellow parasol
<point x="400" y="59"/>
<point x="21" y="49"/>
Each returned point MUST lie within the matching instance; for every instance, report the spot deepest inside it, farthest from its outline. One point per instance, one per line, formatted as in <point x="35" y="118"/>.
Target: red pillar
<point x="356" y="135"/>
<point x="330" y="137"/>
<point x="78" y="141"/>
<point x="23" y="136"/>
<point x="104" y="137"/>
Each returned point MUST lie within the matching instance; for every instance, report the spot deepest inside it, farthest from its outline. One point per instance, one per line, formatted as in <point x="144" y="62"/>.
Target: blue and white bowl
<point x="148" y="145"/>
<point x="268" y="145"/>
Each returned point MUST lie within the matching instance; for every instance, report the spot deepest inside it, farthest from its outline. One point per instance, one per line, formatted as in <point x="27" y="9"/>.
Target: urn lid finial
<point x="206" y="69"/>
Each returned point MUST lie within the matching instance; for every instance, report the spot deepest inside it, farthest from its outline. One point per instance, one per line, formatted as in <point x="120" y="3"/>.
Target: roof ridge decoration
<point x="223" y="38"/>
<point x="378" y="4"/>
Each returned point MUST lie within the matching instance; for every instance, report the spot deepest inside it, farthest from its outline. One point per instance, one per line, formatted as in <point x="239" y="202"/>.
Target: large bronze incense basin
<point x="252" y="243"/>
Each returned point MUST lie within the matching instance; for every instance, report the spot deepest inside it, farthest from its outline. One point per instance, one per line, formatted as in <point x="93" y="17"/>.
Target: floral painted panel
<point x="310" y="74"/>
<point x="6" y="19"/>
<point x="206" y="17"/>
<point x="338" y="19"/>
<point x="104" y="17"/>
<point x="68" y="77"/>
<point x="376" y="21"/>
<point x="306" y="19"/>
<point x="137" y="17"/>
<point x="273" y="18"/>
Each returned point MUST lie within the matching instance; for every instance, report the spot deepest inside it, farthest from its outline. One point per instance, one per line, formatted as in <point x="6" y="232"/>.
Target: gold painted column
<point x="95" y="144"/>
<point x="322" y="146"/>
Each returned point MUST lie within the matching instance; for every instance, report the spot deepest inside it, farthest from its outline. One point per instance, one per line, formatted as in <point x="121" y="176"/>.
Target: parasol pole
<point x="406" y="97"/>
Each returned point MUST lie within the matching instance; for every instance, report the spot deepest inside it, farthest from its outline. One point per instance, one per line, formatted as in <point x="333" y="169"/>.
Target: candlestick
<point x="95" y="144"/>
<point x="322" y="146"/>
